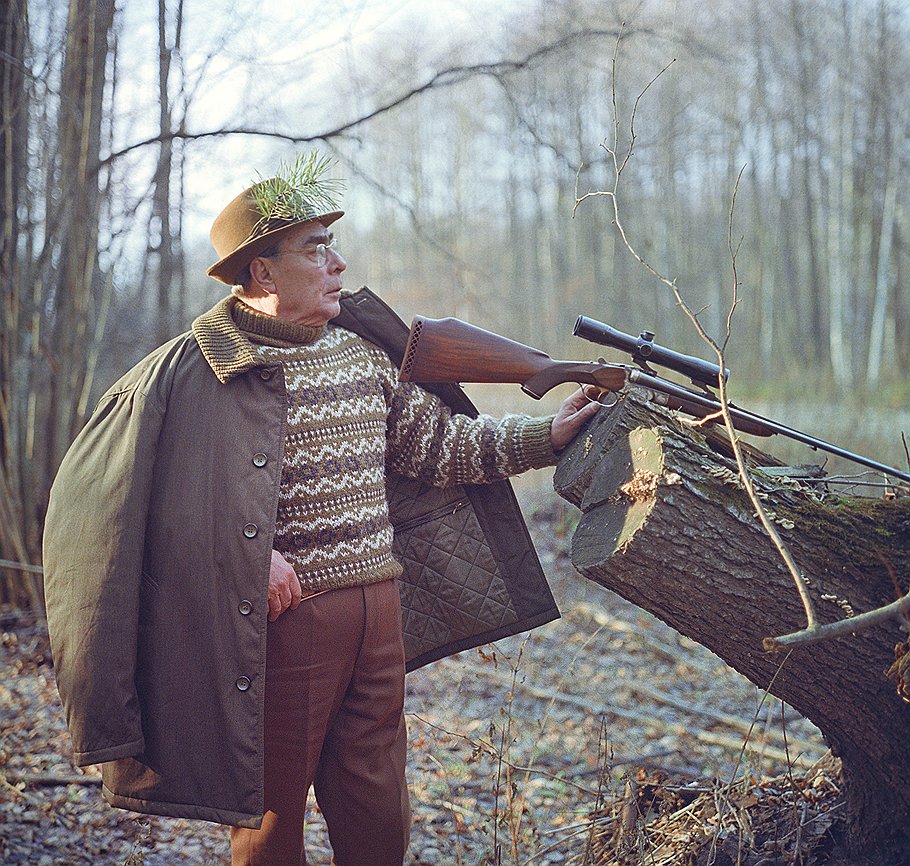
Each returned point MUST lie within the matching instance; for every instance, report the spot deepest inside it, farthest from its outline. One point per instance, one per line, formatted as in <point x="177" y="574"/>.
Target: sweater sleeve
<point x="428" y="442"/>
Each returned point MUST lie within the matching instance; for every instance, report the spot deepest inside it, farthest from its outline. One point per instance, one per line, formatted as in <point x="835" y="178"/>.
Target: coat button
<point x="250" y="530"/>
<point x="266" y="373"/>
<point x="243" y="683"/>
<point x="260" y="459"/>
<point x="246" y="607"/>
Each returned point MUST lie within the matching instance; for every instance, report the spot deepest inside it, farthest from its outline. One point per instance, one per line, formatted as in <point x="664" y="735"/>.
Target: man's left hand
<point x="284" y="587"/>
<point x="578" y="408"/>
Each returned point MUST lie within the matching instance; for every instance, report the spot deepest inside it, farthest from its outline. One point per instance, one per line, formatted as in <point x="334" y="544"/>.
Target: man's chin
<point x="332" y="306"/>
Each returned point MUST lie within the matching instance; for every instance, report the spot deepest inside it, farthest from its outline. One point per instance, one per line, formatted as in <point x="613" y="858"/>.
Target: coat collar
<point x="223" y="345"/>
<point x="226" y="348"/>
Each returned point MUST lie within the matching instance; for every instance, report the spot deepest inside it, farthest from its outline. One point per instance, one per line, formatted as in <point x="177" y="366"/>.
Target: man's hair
<point x="244" y="278"/>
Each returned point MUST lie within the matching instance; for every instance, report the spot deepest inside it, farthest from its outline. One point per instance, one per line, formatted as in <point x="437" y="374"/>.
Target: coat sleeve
<point x="93" y="552"/>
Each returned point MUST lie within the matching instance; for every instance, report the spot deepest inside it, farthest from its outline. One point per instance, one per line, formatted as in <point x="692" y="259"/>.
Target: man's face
<point x="308" y="293"/>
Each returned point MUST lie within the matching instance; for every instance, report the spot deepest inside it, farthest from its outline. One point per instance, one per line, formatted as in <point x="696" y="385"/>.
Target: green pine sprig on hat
<point x="299" y="191"/>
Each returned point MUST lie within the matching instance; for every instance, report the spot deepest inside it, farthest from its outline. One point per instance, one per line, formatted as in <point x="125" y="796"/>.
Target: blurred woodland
<point x="462" y="148"/>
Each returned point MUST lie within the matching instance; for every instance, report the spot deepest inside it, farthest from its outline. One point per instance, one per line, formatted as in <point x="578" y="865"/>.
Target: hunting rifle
<point x="449" y="350"/>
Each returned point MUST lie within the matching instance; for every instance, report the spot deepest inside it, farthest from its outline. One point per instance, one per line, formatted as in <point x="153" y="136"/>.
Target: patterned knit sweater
<point x="349" y="418"/>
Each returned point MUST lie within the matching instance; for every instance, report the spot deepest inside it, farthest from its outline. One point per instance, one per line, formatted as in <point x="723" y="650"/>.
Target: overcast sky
<point x="252" y="58"/>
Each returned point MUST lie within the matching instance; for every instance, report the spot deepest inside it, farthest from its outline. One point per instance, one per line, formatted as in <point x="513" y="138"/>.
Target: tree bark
<point x="15" y="588"/>
<point x="161" y="201"/>
<point x="666" y="526"/>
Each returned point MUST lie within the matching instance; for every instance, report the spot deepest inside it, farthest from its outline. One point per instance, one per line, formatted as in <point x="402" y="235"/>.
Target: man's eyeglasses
<point x="318" y="254"/>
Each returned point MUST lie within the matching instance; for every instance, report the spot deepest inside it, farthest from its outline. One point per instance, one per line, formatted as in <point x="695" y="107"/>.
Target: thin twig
<point x="783" y="727"/>
<point x="21" y="566"/>
<point x="841" y="628"/>
<point x="770" y="529"/>
<point x="604" y="768"/>
<point x="898" y="589"/>
<point x="585" y="827"/>
<point x="51" y="780"/>
<point x="453" y="809"/>
<point x="825" y="814"/>
<point x="846" y="481"/>
<point x="35" y="800"/>
<point x="486" y="748"/>
<point x="734" y="723"/>
<point x="729" y="787"/>
<point x="782" y="549"/>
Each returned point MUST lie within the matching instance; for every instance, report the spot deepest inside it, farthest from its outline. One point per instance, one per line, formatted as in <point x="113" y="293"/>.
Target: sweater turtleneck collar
<point x="272" y="331"/>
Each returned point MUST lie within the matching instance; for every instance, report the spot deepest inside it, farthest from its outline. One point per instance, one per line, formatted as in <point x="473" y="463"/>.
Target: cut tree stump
<point x="667" y="526"/>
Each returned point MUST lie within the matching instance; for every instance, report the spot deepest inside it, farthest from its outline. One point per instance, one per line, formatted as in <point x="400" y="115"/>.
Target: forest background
<point x="463" y="131"/>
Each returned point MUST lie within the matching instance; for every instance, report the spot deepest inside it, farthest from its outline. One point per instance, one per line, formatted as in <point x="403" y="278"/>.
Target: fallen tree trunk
<point x="667" y="526"/>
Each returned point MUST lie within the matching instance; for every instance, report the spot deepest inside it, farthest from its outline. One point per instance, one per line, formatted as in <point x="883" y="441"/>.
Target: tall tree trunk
<point x="807" y="109"/>
<point x="71" y="292"/>
<point x="887" y="138"/>
<point x="16" y="587"/>
<point x="161" y="201"/>
<point x="762" y="197"/>
<point x="900" y="302"/>
<point x="883" y="267"/>
<point x="840" y="220"/>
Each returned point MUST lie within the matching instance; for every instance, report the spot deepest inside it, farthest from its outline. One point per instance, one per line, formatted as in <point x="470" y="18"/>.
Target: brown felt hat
<point x="240" y="233"/>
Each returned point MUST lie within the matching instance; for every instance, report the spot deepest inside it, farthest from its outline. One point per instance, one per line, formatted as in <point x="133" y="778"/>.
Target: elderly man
<point x="223" y="580"/>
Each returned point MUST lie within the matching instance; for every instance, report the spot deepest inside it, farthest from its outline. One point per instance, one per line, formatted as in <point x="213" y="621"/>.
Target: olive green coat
<point x="156" y="552"/>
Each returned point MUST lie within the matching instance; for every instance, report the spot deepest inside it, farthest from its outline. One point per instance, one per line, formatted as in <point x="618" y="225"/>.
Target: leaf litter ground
<point x="605" y="737"/>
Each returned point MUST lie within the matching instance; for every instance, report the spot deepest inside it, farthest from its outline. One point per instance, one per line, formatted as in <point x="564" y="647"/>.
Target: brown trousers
<point x="334" y="697"/>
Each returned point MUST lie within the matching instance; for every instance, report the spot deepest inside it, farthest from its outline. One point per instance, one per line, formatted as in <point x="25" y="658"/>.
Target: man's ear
<point x="262" y="275"/>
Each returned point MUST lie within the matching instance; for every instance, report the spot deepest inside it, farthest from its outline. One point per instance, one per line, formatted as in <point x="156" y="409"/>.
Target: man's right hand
<point x="284" y="587"/>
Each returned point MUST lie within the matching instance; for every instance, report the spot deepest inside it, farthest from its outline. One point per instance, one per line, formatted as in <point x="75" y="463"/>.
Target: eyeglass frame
<point x="320" y="251"/>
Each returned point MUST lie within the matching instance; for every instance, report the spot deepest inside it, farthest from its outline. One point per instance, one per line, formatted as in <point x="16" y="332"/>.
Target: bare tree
<point x="15" y="514"/>
<point x="57" y="290"/>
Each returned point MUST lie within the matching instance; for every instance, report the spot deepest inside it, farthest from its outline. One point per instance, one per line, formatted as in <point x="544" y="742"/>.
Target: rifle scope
<point x="645" y="351"/>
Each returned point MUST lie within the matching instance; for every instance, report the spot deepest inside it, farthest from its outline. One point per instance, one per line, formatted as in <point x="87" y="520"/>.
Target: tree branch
<point x="444" y="78"/>
<point x="841" y="628"/>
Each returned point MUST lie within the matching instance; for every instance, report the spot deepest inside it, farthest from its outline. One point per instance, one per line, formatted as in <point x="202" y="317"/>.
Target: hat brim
<point x="227" y="269"/>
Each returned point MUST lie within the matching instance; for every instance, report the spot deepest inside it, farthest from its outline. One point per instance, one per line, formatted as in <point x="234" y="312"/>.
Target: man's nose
<point x="337" y="262"/>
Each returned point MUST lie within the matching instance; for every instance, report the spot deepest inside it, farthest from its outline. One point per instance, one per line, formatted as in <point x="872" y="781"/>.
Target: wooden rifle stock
<point x="449" y="350"/>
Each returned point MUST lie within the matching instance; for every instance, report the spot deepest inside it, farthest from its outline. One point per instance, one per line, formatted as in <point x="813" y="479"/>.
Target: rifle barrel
<point x="752" y="422"/>
<point x="822" y="445"/>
